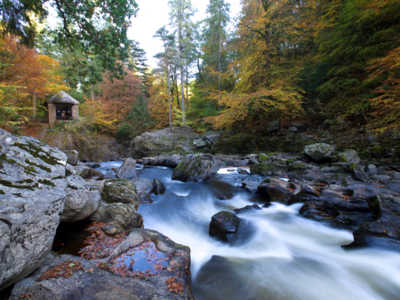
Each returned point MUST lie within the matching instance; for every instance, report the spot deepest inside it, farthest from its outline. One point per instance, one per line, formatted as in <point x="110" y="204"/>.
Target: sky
<point x="153" y="14"/>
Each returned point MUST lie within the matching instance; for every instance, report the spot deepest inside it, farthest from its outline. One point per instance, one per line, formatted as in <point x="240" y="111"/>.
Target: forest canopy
<point x="332" y="64"/>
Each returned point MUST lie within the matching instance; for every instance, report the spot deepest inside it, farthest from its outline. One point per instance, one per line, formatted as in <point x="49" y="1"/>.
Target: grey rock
<point x="196" y="168"/>
<point x="32" y="195"/>
<point x="121" y="215"/>
<point x="372" y="169"/>
<point x="320" y="152"/>
<point x="120" y="190"/>
<point x="80" y="201"/>
<point x="177" y="139"/>
<point x="144" y="188"/>
<point x="223" y="225"/>
<point x="382" y="178"/>
<point x="158" y="187"/>
<point x="168" y="160"/>
<point x="349" y="156"/>
<point x="128" y="169"/>
<point x="199" y="143"/>
<point x="89" y="173"/>
<point x="102" y="280"/>
<point x="277" y="190"/>
<point x="73" y="157"/>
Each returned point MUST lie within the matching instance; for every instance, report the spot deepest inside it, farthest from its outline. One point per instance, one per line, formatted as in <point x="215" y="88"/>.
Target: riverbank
<point x="237" y="213"/>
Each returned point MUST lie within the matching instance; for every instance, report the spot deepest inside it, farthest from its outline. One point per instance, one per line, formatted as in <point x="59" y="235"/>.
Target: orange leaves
<point x="65" y="269"/>
<point x="26" y="79"/>
<point x="119" y="95"/>
<point x="35" y="73"/>
<point x="174" y="286"/>
<point x="98" y="244"/>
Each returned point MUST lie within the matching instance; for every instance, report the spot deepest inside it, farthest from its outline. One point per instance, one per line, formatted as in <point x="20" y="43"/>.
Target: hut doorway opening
<point x="64" y="112"/>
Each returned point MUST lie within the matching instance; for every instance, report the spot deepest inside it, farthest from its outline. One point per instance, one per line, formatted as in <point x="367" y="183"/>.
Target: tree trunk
<point x="34" y="106"/>
<point x="183" y="95"/>
<point x="169" y="100"/>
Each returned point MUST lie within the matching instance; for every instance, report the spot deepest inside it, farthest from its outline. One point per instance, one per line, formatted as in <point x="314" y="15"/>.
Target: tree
<point x="119" y="95"/>
<point x="97" y="30"/>
<point x="27" y="77"/>
<point x="215" y="42"/>
<point x="167" y="61"/>
<point x="180" y="14"/>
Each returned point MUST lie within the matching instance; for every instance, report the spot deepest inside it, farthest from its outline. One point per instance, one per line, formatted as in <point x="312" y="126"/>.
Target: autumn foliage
<point x="27" y="78"/>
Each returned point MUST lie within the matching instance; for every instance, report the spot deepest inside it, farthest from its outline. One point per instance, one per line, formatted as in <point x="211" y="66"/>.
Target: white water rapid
<point x="282" y="256"/>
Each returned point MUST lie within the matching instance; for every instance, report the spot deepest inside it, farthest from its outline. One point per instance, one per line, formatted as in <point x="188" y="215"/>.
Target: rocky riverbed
<point x="120" y="256"/>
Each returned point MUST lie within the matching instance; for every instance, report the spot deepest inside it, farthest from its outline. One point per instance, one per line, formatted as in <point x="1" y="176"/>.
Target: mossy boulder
<point x="320" y="152"/>
<point x="120" y="191"/>
<point x="168" y="140"/>
<point x="197" y="168"/>
<point x="31" y="201"/>
<point x="349" y="156"/>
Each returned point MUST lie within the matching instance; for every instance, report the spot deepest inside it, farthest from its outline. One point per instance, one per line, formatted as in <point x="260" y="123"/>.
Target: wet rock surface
<point x="227" y="227"/>
<point x="144" y="265"/>
<point x="128" y="169"/>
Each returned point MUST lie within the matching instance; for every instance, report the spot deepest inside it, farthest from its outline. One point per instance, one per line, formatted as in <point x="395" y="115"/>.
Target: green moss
<point x="4" y="158"/>
<point x="19" y="185"/>
<point x="38" y="166"/>
<point x="37" y="152"/>
<point x="262" y="168"/>
<point x="30" y="170"/>
<point x="263" y="157"/>
<point x="2" y="192"/>
<point x="46" y="182"/>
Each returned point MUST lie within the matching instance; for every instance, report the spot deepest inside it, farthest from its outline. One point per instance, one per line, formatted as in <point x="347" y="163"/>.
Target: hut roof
<point x="62" y="98"/>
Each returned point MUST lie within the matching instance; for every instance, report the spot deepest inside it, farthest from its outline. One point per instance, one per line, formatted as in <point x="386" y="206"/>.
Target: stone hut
<point x="62" y="107"/>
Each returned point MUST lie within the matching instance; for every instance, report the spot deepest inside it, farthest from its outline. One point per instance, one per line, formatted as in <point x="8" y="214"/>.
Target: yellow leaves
<point x="279" y="101"/>
<point x="386" y="103"/>
<point x="97" y="115"/>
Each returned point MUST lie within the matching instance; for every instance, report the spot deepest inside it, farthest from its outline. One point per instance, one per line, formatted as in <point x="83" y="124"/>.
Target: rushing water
<point x="285" y="256"/>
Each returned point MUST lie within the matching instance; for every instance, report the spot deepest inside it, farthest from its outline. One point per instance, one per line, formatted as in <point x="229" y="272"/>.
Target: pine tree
<point x="181" y="12"/>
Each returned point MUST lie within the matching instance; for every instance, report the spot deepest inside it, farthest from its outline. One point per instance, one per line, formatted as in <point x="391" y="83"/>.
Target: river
<point x="280" y="255"/>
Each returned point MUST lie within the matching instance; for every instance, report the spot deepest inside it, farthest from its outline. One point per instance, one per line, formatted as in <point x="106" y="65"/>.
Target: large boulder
<point x="128" y="169"/>
<point x="73" y="157"/>
<point x="320" y="152"/>
<point x="32" y="195"/>
<point x="146" y="265"/>
<point x="80" y="202"/>
<point x="177" y="139"/>
<point x="158" y="187"/>
<point x="197" y="168"/>
<point x="224" y="225"/>
<point x="120" y="190"/>
<point x="168" y="160"/>
<point x="278" y="190"/>
<point x="121" y="217"/>
<point x="349" y="156"/>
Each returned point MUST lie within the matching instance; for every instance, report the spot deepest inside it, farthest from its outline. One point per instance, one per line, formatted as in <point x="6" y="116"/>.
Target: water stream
<point x="281" y="255"/>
